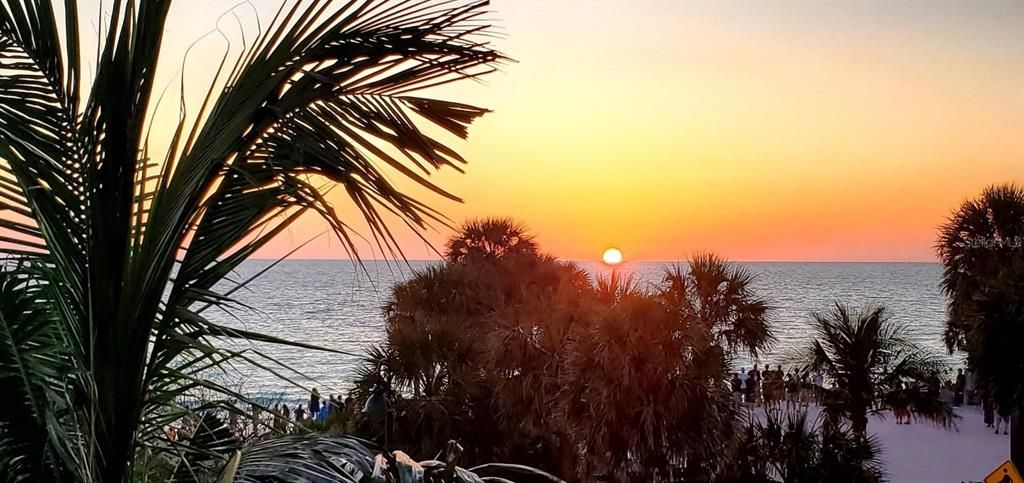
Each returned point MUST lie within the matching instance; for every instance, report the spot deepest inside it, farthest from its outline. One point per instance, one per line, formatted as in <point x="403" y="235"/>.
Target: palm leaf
<point x="129" y="252"/>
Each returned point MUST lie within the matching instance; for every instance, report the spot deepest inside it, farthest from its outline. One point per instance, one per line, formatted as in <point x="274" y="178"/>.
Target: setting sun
<point x="612" y="256"/>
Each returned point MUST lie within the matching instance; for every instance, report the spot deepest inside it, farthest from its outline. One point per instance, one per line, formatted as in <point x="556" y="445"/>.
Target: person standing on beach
<point x="314" y="404"/>
<point x="792" y="389"/>
<point x="283" y="416"/>
<point x="1003" y="419"/>
<point x="277" y="423"/>
<point x="804" y="389"/>
<point x="780" y="386"/>
<point x="744" y="384"/>
<point x="764" y="384"/>
<point x="233" y="426"/>
<point x="736" y="386"/>
<point x="946" y="393"/>
<point x="958" y="388"/>
<point x="326" y="408"/>
<point x="753" y="383"/>
<point x="989" y="412"/>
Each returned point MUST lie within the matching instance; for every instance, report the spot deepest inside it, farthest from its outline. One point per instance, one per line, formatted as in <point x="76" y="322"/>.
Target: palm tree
<point x="489" y="238"/>
<point x="642" y="395"/>
<point x="982" y="250"/>
<point x="644" y="384"/>
<point x="794" y="449"/>
<point x="113" y="257"/>
<point x="463" y="341"/>
<point x="718" y="298"/>
<point x="869" y="360"/>
<point x="539" y="363"/>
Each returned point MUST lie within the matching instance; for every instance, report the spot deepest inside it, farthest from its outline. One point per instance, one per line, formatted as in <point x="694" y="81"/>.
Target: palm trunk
<point x="859" y="418"/>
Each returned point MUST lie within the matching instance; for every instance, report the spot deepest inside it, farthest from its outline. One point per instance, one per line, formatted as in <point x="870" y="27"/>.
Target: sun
<point x="612" y="256"/>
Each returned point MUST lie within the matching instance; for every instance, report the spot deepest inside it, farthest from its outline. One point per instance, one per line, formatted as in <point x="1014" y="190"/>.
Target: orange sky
<point x="760" y="131"/>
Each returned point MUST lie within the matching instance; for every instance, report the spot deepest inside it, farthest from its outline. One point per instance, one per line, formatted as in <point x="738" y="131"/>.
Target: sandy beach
<point x="924" y="453"/>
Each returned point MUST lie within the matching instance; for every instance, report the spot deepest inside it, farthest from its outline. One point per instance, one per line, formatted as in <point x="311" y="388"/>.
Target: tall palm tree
<point x="645" y="384"/>
<point x="869" y="360"/>
<point x="113" y="256"/>
<point x="718" y="298"/>
<point x="981" y="248"/>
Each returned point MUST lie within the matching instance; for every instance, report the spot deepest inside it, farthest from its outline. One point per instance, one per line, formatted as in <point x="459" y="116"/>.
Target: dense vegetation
<point x="792" y="449"/>
<point x="525" y="358"/>
<point x="873" y="368"/>
<point x="982" y="250"/>
<point x="112" y="258"/>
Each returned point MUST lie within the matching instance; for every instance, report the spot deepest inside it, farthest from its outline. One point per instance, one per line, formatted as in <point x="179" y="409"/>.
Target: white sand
<point x="923" y="453"/>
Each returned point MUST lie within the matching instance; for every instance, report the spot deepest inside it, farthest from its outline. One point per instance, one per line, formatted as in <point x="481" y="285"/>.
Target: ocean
<point x="335" y="304"/>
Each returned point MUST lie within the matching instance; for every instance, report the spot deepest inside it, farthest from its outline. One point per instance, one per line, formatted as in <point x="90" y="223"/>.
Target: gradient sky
<point x="760" y="131"/>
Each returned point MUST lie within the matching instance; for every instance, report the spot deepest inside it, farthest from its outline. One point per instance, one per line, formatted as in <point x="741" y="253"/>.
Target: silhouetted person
<point x="745" y="384"/>
<point x="792" y="386"/>
<point x="1003" y="419"/>
<point x="314" y="404"/>
<point x="958" y="388"/>
<point x="281" y="417"/>
<point x="753" y="383"/>
<point x="233" y="424"/>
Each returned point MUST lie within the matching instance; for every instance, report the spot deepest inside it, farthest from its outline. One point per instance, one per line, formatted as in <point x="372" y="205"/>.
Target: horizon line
<point x="594" y="260"/>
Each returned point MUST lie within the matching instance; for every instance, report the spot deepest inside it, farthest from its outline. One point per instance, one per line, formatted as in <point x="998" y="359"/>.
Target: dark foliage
<point x="791" y="449"/>
<point x="981" y="248"/>
<point x="870" y="364"/>
<point x="116" y="256"/>
<point x="525" y="359"/>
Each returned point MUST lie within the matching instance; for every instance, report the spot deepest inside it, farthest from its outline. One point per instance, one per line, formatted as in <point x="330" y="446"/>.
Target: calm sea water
<point x="337" y="305"/>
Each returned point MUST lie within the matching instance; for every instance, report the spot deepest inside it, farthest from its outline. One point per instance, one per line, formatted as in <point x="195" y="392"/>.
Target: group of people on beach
<point x="768" y="387"/>
<point x="281" y="416"/>
<point x="955" y="392"/>
<point x="316" y="409"/>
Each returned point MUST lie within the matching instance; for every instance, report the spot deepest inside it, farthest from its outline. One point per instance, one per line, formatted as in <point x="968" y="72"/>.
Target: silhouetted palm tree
<point x="463" y="339"/>
<point x="982" y="250"/>
<point x="643" y="395"/>
<point x="718" y="298"/>
<point x="489" y="238"/>
<point x="645" y="384"/>
<point x="792" y="449"/>
<point x="537" y="363"/>
<point x="868" y="360"/>
<point x="102" y="329"/>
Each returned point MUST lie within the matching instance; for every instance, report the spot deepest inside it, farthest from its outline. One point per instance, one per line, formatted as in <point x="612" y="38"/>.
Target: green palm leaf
<point x="128" y="252"/>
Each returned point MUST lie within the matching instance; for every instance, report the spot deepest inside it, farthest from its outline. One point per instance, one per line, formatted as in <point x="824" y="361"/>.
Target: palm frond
<point x="35" y="367"/>
<point x="870" y="363"/>
<point x="130" y="251"/>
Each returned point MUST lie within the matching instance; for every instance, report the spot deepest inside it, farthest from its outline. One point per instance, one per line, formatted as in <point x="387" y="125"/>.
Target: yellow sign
<point x="1005" y="473"/>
